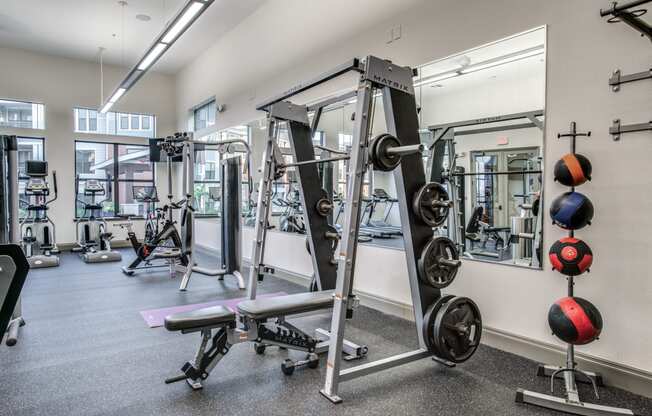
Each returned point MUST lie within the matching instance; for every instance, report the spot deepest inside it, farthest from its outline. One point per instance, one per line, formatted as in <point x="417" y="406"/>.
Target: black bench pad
<point x="264" y="308"/>
<point x="211" y="317"/>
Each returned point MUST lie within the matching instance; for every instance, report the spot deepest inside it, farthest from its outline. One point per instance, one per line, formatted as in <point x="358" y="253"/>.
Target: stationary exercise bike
<point x="36" y="228"/>
<point x="162" y="239"/>
<point x="93" y="239"/>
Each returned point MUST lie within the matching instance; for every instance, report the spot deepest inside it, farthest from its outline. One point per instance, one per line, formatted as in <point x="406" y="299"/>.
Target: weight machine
<point x="231" y="209"/>
<point x="13" y="264"/>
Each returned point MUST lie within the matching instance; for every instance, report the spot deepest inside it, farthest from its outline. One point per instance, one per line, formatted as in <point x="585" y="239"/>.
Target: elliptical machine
<point x="36" y="228"/>
<point x="166" y="243"/>
<point x="93" y="239"/>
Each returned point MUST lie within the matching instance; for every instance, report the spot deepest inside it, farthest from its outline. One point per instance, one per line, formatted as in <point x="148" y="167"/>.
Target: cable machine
<point x="230" y="206"/>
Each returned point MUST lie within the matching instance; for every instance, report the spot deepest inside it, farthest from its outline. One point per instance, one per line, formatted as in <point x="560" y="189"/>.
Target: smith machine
<point x="448" y="327"/>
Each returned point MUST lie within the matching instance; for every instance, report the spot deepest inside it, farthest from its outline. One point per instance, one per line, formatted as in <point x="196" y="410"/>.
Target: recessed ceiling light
<point x="143" y="17"/>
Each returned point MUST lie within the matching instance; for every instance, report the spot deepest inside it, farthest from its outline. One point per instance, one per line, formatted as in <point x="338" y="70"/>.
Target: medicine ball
<point x="573" y="170"/>
<point x="570" y="256"/>
<point x="575" y="320"/>
<point x="571" y="211"/>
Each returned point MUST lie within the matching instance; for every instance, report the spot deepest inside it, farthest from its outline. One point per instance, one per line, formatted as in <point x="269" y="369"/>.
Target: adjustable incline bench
<point x="262" y="321"/>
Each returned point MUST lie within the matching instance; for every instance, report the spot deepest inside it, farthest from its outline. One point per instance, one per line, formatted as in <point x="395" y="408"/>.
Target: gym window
<point x="283" y="140"/>
<point x="207" y="170"/>
<point x="114" y="124"/>
<point x="29" y="148"/>
<point x="119" y="167"/>
<point x="22" y="114"/>
<point x="345" y="141"/>
<point x="204" y="115"/>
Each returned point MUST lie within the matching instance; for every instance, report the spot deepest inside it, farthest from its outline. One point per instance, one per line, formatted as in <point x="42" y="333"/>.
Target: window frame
<point x="115" y="180"/>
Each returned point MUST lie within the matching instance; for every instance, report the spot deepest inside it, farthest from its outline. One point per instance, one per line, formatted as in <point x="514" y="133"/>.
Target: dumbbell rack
<point x="571" y="403"/>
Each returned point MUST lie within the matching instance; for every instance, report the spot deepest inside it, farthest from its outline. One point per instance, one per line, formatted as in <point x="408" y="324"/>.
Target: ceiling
<point x="78" y="28"/>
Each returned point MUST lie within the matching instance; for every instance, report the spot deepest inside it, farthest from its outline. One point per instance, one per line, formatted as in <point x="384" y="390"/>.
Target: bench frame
<point x="217" y="340"/>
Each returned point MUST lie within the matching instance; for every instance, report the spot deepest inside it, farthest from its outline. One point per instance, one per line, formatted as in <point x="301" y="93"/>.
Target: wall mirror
<point x="482" y="117"/>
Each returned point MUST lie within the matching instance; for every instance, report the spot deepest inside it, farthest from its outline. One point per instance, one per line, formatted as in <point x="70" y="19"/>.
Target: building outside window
<point x="207" y="169"/>
<point x="118" y="167"/>
<point x="22" y="114"/>
<point x="204" y="116"/>
<point x="114" y="124"/>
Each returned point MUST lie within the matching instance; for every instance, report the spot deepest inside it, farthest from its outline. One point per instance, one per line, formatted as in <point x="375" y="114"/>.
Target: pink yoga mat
<point x="156" y="317"/>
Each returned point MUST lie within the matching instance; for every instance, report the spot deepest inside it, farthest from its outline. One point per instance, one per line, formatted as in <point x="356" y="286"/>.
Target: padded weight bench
<point x="251" y="324"/>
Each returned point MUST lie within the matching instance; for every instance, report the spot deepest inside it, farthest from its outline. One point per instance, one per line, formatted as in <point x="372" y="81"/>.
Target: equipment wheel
<point x="287" y="367"/>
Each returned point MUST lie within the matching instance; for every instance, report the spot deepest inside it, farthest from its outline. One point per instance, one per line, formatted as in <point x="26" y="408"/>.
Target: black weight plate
<point x="378" y="153"/>
<point x="422" y="204"/>
<point x="429" y="322"/>
<point x="457" y="329"/>
<point x="373" y="144"/>
<point x="431" y="272"/>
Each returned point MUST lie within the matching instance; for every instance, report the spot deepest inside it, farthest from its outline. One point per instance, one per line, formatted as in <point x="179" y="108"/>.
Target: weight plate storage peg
<point x="429" y="322"/>
<point x="457" y="329"/>
<point x="431" y="204"/>
<point x="332" y="235"/>
<point x="439" y="262"/>
<point x="324" y="207"/>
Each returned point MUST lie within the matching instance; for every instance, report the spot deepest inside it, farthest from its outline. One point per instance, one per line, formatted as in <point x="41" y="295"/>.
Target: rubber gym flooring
<point x="87" y="351"/>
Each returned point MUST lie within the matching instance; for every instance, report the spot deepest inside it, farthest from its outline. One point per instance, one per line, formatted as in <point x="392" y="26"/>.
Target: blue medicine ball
<point x="571" y="211"/>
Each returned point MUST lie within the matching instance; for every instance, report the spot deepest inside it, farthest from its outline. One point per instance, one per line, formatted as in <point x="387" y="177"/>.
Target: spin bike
<point x="93" y="239"/>
<point x="162" y="239"/>
<point x="36" y="228"/>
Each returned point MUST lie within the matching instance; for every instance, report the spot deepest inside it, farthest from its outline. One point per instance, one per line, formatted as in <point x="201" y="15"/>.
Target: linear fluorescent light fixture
<point x="490" y="63"/>
<point x="186" y="16"/>
<point x="538" y="50"/>
<point x="152" y="56"/>
<point x="116" y="96"/>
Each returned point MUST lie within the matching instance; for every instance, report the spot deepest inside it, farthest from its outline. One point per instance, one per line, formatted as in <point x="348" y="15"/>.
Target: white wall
<point x="580" y="60"/>
<point x="62" y="84"/>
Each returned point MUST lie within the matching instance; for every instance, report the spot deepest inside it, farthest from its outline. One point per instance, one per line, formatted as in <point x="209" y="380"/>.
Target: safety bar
<point x="351" y="65"/>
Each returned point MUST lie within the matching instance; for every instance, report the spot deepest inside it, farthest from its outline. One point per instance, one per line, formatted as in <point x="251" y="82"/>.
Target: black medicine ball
<point x="573" y="170"/>
<point x="570" y="256"/>
<point x="571" y="211"/>
<point x="575" y="320"/>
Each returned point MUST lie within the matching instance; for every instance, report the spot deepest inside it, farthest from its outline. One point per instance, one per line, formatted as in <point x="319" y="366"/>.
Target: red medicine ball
<point x="575" y="320"/>
<point x="570" y="256"/>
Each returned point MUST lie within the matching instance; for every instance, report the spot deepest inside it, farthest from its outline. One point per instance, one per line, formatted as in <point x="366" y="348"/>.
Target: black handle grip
<point x="183" y="217"/>
<point x="176" y="379"/>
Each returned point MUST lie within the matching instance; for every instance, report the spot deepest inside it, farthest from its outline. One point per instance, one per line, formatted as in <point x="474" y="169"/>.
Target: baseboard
<point x="296" y="278"/>
<point x="614" y="374"/>
<point x="114" y="244"/>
